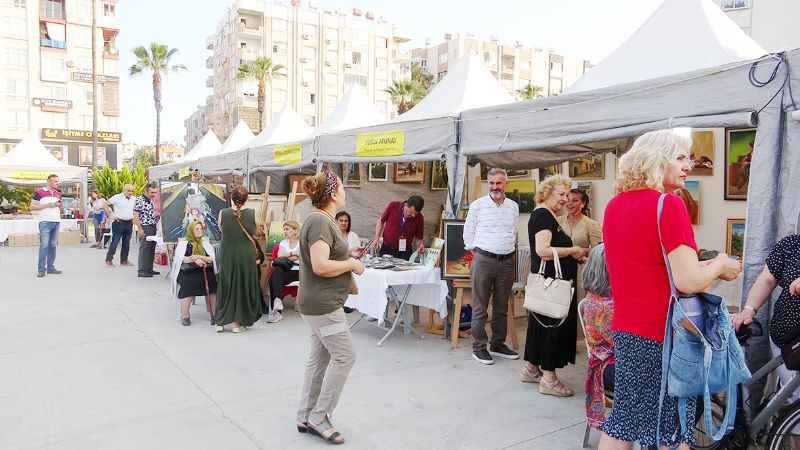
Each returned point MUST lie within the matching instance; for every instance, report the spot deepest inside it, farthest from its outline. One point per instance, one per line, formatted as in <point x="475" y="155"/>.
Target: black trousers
<point x="121" y="230"/>
<point x="147" y="250"/>
<point x="280" y="278"/>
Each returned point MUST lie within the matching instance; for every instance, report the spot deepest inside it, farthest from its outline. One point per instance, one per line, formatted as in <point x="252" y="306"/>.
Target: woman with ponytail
<point x="239" y="295"/>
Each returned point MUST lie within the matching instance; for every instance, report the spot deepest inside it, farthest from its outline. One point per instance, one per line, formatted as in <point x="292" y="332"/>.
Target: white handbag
<point x="550" y="297"/>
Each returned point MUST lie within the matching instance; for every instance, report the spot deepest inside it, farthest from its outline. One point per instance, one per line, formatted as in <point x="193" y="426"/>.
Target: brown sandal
<point x="555" y="388"/>
<point x="530" y="377"/>
<point x="318" y="430"/>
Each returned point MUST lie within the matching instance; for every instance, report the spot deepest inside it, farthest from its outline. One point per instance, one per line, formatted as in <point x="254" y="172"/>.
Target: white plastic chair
<point x="103" y="237"/>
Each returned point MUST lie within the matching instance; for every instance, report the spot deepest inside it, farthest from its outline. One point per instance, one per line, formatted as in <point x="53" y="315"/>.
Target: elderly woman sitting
<point x="598" y="307"/>
<point x="194" y="271"/>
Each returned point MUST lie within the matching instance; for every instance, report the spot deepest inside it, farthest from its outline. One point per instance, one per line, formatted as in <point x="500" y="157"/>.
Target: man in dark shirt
<point x="144" y="219"/>
<point x="401" y="223"/>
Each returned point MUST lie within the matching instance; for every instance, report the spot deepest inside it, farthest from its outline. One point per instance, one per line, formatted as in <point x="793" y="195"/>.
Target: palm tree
<point x="157" y="60"/>
<point x="530" y="92"/>
<point x="263" y="70"/>
<point x="405" y="94"/>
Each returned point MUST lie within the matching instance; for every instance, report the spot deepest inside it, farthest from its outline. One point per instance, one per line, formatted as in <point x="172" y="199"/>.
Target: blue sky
<point x="582" y="28"/>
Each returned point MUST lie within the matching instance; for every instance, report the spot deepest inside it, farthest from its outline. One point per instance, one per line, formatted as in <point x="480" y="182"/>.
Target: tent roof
<point x="285" y="127"/>
<point x="469" y="84"/>
<point x="240" y="136"/>
<point x="353" y="111"/>
<point x="680" y="36"/>
<point x="207" y="145"/>
<point x="29" y="155"/>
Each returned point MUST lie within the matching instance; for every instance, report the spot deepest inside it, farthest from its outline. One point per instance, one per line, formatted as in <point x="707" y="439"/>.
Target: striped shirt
<point x="492" y="227"/>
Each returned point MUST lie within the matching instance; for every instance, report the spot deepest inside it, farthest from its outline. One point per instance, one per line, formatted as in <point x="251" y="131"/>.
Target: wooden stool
<point x="459" y="286"/>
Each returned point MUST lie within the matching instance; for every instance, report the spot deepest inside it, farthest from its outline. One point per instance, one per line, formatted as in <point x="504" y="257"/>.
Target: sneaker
<point x="276" y="316"/>
<point x="482" y="356"/>
<point x="503" y="351"/>
<point x="277" y="305"/>
<point x="53" y="271"/>
<point x="220" y="329"/>
<point x="145" y="275"/>
<point x="40" y="274"/>
<point x="186" y="321"/>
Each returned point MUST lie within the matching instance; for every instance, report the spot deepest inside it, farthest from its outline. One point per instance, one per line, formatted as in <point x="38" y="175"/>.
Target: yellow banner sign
<point x="26" y="175"/>
<point x="381" y="143"/>
<point x="288" y="154"/>
<point x="183" y="172"/>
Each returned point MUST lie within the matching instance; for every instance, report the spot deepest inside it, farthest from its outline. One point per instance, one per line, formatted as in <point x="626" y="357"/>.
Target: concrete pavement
<point x="94" y="358"/>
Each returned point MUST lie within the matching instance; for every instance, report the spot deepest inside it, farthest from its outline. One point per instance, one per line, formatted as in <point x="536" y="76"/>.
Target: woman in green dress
<point x="238" y="293"/>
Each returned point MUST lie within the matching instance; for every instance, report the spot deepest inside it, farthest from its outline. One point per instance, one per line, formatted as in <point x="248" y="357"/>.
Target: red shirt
<point x="395" y="226"/>
<point x="636" y="269"/>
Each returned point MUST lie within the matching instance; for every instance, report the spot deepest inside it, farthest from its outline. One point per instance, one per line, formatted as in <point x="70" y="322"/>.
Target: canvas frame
<point x="730" y="237"/>
<point x="729" y="164"/>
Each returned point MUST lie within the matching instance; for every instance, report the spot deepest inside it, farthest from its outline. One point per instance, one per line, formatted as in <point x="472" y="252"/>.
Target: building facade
<point x="513" y="65"/>
<point x="47" y="77"/>
<point x="197" y="125"/>
<point x="325" y="53"/>
<point x="771" y="23"/>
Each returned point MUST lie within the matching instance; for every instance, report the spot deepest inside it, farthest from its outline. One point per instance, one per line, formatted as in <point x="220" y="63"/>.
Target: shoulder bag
<point x="550" y="297"/>
<point x="259" y="252"/>
<point x="701" y="355"/>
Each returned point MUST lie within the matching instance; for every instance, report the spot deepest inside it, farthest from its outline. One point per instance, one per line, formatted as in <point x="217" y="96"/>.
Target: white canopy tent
<point x="207" y="145"/>
<point x="29" y="163"/>
<point x="231" y="157"/>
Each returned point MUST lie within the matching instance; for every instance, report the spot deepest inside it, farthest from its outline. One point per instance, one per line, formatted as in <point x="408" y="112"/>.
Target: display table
<point x="30" y="226"/>
<point x="421" y="287"/>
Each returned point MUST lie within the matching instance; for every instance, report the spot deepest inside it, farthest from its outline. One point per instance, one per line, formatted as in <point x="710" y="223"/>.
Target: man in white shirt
<point x="490" y="232"/>
<point x="46" y="203"/>
<point x="121" y="224"/>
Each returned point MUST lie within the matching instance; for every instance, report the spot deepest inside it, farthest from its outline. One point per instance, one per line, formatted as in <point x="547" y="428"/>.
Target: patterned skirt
<point x="637" y="380"/>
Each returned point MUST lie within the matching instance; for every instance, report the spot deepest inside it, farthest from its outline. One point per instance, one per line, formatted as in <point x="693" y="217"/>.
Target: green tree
<point x="17" y="195"/>
<point x="530" y="92"/>
<point x="263" y="70"/>
<point x="110" y="182"/>
<point x="422" y="78"/>
<point x="157" y="60"/>
<point x="405" y="94"/>
<point x="145" y="156"/>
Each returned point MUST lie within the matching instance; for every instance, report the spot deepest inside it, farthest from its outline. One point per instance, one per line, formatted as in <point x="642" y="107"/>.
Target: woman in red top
<point x="658" y="162"/>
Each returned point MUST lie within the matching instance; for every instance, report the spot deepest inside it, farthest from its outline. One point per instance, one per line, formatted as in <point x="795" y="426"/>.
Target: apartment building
<point x="197" y="125"/>
<point x="771" y="23"/>
<point x="46" y="73"/>
<point x="324" y="51"/>
<point x="513" y="65"/>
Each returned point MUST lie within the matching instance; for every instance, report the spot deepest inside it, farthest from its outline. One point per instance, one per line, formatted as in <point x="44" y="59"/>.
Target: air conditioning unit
<point x="306" y="37"/>
<point x="303" y="60"/>
<point x="327" y="41"/>
<point x="327" y="63"/>
<point x="70" y="63"/>
<point x="348" y="65"/>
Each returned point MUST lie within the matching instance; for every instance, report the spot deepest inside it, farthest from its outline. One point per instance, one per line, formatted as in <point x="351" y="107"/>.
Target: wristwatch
<point x="750" y="308"/>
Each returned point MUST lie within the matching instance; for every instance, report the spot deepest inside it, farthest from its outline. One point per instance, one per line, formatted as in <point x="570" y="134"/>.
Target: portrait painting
<point x="183" y="202"/>
<point x="409" y="173"/>
<point x="85" y="156"/>
<point x="702" y="153"/>
<point x="739" y="145"/>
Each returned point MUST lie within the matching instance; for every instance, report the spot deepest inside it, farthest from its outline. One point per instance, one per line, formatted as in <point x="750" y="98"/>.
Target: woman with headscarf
<point x="194" y="272"/>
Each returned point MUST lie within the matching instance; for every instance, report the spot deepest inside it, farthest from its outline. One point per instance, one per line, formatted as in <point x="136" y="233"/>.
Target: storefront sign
<point x="183" y="172"/>
<point x="381" y="143"/>
<point x="51" y="103"/>
<point x="288" y="154"/>
<point x="27" y="175"/>
<point x="87" y="77"/>
<point x="61" y="134"/>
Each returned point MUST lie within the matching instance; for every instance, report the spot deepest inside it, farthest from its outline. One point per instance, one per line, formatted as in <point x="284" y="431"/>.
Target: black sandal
<point x="302" y="428"/>
<point x="335" y="438"/>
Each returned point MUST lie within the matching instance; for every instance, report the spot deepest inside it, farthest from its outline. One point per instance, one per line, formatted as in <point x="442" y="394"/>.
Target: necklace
<point x="573" y="220"/>
<point x="328" y="215"/>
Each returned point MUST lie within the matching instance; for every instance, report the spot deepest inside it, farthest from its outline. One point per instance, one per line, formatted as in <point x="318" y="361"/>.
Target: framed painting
<point x="587" y="167"/>
<point x="352" y="175"/>
<point x="457" y="261"/>
<point x="739" y="144"/>
<point x="555" y="169"/>
<point x="512" y="173"/>
<point x="183" y="202"/>
<point x="524" y="193"/>
<point x="60" y="152"/>
<point x="438" y="176"/>
<point x="702" y="153"/>
<point x="409" y="173"/>
<point x="85" y="156"/>
<point x="378" y="172"/>
<point x="734" y="240"/>
<point x="690" y="194"/>
<point x="274" y="236"/>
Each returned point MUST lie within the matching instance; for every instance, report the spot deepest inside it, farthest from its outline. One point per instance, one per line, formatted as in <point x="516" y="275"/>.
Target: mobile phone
<point x="734" y="257"/>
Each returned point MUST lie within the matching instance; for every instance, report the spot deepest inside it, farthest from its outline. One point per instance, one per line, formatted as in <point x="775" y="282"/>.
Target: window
<point x="309" y="99"/>
<point x="331" y="78"/>
<point x="421" y="61"/>
<point x="15" y="58"/>
<point x="442" y="58"/>
<point x="309" y="53"/>
<point x="81" y="37"/>
<point x="525" y="65"/>
<point x="381" y="63"/>
<point x="381" y="42"/>
<point x="310" y="76"/>
<point x="17" y="119"/>
<point x="279" y="25"/>
<point x="332" y="34"/>
<point x="110" y="99"/>
<point x="83" y="94"/>
<point x="83" y="8"/>
<point x="54" y="67"/>
<point x="310" y="30"/>
<point x="14" y="27"/>
<point x="84" y="122"/>
<point x="310" y="120"/>
<point x="279" y="48"/>
<point x="351" y="78"/>
<point x="110" y="67"/>
<point x="353" y="58"/>
<point x="356" y="38"/>
<point x="380" y="85"/>
<point x="14" y="3"/>
<point x="109" y="10"/>
<point x="111" y="123"/>
<point x="56" y="91"/>
<point x="440" y="76"/>
<point x="332" y="57"/>
<point x="331" y="100"/>
<point x="279" y="95"/>
<point x="489" y="58"/>
<point x="53" y="9"/>
<point x="734" y="4"/>
<point x="16" y="89"/>
<point x="54" y="120"/>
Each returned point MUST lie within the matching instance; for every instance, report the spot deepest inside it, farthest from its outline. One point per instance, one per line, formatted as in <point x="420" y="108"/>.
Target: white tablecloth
<point x="427" y="290"/>
<point x="730" y="291"/>
<point x="30" y="226"/>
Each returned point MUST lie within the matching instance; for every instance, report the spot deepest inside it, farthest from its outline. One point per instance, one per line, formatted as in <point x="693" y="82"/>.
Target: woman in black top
<point x="549" y="347"/>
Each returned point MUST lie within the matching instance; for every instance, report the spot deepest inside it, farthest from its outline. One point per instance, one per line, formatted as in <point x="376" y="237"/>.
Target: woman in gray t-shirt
<point x="326" y="267"/>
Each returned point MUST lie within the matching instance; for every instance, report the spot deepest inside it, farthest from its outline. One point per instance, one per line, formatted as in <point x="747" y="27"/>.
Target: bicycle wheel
<point x="704" y="442"/>
<point x="785" y="431"/>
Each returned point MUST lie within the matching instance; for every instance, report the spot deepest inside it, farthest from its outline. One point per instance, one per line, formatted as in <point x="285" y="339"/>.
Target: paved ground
<point x="94" y="359"/>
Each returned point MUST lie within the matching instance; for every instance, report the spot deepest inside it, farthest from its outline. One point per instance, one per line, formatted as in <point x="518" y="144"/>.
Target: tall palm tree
<point x="157" y="60"/>
<point x="263" y="70"/>
<point x="405" y="94"/>
<point x="530" y="92"/>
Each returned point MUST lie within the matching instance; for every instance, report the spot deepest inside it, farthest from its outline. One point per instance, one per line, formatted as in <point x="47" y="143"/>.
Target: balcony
<point x="44" y="42"/>
<point x="210" y="62"/>
<point x="249" y="52"/>
<point x="245" y="28"/>
<point x="210" y="42"/>
<point x="110" y="52"/>
<point x="210" y="82"/>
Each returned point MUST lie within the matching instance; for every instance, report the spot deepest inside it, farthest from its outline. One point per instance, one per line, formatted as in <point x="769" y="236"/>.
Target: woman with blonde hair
<point x="550" y="346"/>
<point x="657" y="163"/>
<point x="327" y="265"/>
<point x="285" y="269"/>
